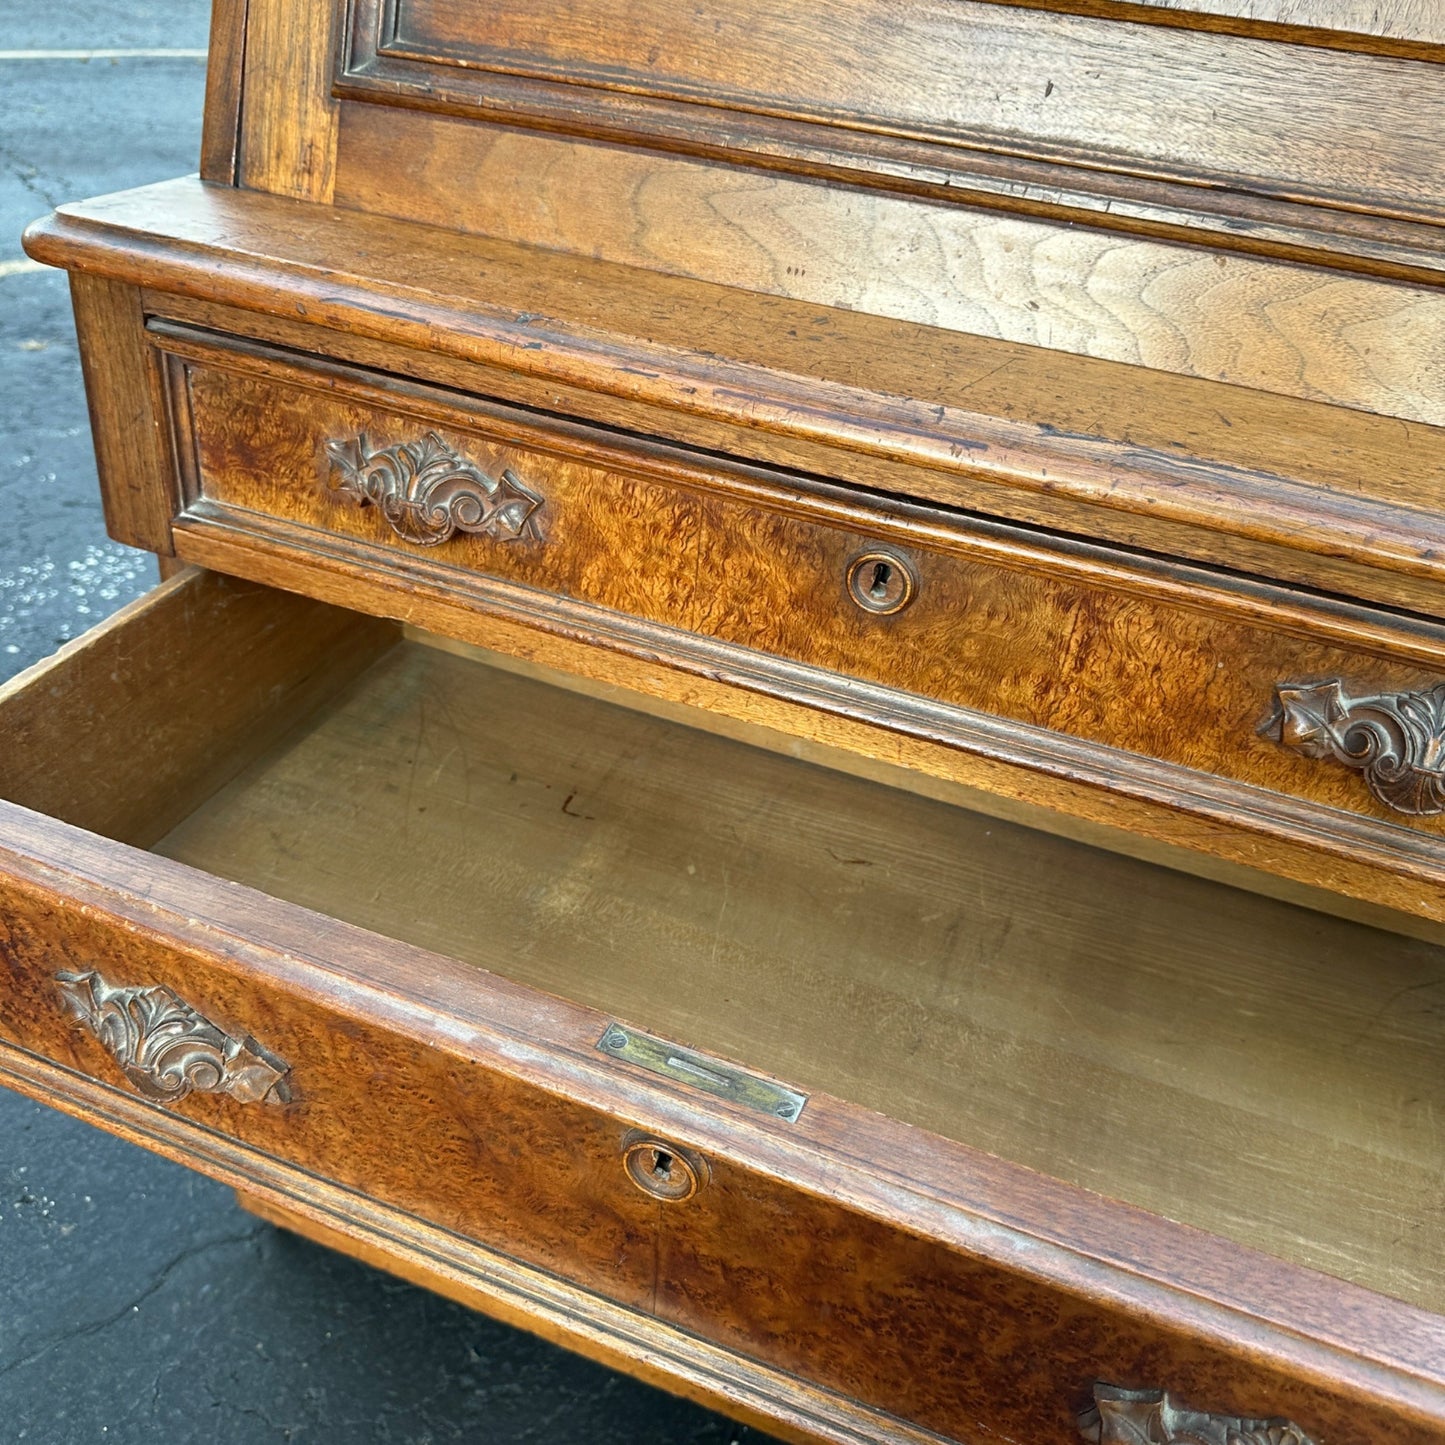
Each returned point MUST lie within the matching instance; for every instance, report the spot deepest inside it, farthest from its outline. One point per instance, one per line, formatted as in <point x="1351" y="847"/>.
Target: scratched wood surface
<point x="1225" y="1060"/>
<point x="1189" y="311"/>
<point x="1359" y="20"/>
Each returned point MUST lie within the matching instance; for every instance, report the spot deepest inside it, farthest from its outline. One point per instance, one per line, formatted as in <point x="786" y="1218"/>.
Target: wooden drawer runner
<point x="1068" y="640"/>
<point x="412" y="1099"/>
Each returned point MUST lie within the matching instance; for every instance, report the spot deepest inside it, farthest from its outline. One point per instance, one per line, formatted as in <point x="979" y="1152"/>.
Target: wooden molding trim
<point x="281" y="258"/>
<point x="522" y="68"/>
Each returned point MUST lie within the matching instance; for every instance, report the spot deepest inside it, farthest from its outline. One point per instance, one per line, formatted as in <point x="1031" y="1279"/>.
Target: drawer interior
<point x="1242" y="1064"/>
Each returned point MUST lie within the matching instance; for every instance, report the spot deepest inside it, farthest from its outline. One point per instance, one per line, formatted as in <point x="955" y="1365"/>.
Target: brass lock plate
<point x="684" y="1066"/>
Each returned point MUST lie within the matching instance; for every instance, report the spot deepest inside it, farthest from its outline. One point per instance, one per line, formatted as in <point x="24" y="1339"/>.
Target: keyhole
<point x="663" y="1171"/>
<point x="881" y="583"/>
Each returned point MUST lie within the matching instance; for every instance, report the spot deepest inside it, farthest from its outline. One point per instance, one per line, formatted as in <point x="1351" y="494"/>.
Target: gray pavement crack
<point x="162" y="1278"/>
<point x="30" y="176"/>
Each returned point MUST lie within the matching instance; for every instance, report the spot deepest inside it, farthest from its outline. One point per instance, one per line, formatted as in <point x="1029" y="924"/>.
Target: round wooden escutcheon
<point x="663" y="1170"/>
<point x="881" y="582"/>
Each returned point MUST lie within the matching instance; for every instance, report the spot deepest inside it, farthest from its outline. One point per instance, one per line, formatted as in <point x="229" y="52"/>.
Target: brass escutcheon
<point x="881" y="582"/>
<point x="662" y="1169"/>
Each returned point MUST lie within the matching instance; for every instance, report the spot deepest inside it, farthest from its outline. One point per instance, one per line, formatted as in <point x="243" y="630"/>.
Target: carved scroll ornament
<point x="428" y="493"/>
<point x="1397" y="741"/>
<point x="1150" y="1417"/>
<point x="168" y="1050"/>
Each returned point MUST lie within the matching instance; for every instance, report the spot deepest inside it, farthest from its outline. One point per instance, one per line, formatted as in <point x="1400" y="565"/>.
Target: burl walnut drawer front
<point x="1227" y="678"/>
<point x="395" y="1079"/>
<point x="841" y="1275"/>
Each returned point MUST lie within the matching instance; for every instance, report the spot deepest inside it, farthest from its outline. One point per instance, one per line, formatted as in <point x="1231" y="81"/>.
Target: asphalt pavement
<point x="137" y="1302"/>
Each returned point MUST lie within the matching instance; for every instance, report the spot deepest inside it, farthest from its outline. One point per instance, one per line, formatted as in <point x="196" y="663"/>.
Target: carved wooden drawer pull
<point x="428" y="493"/>
<point x="168" y="1050"/>
<point x="1150" y="1417"/>
<point x="1397" y="741"/>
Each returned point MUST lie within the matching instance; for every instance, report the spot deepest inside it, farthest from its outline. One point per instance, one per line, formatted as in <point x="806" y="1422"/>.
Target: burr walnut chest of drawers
<point x="796" y="733"/>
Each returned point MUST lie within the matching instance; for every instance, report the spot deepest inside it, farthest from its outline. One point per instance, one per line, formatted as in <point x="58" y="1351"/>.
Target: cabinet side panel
<point x="127" y="413"/>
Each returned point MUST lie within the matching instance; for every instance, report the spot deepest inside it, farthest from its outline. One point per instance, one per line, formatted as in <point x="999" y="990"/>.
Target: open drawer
<point x="804" y="1095"/>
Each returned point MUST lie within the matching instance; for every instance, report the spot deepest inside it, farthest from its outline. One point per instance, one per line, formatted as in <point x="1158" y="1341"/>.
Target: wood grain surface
<point x="399" y="1055"/>
<point x="786" y="1408"/>
<point x="1095" y="646"/>
<point x="1191" y="311"/>
<point x="1118" y="1026"/>
<point x="1110" y="836"/>
<point x="127" y="413"/>
<point x="220" y="135"/>
<point x="1140" y="413"/>
<point x="741" y="293"/>
<point x="779" y="375"/>
<point x="286" y="142"/>
<point x="1261" y="117"/>
<point x="131" y="725"/>
<point x="1364" y="24"/>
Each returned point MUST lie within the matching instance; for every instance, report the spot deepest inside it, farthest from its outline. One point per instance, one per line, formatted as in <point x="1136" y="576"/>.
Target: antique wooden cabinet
<point x="803" y="744"/>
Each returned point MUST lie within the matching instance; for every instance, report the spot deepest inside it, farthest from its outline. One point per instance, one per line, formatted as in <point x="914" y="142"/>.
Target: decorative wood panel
<point x="1084" y="644"/>
<point x="1256" y="116"/>
<point x="1149" y="413"/>
<point x="1299" y="331"/>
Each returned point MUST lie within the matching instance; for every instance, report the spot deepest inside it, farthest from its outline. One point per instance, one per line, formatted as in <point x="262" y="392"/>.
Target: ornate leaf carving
<point x="166" y="1049"/>
<point x="428" y="493"/>
<point x="1150" y="1417"/>
<point x="1396" y="741"/>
